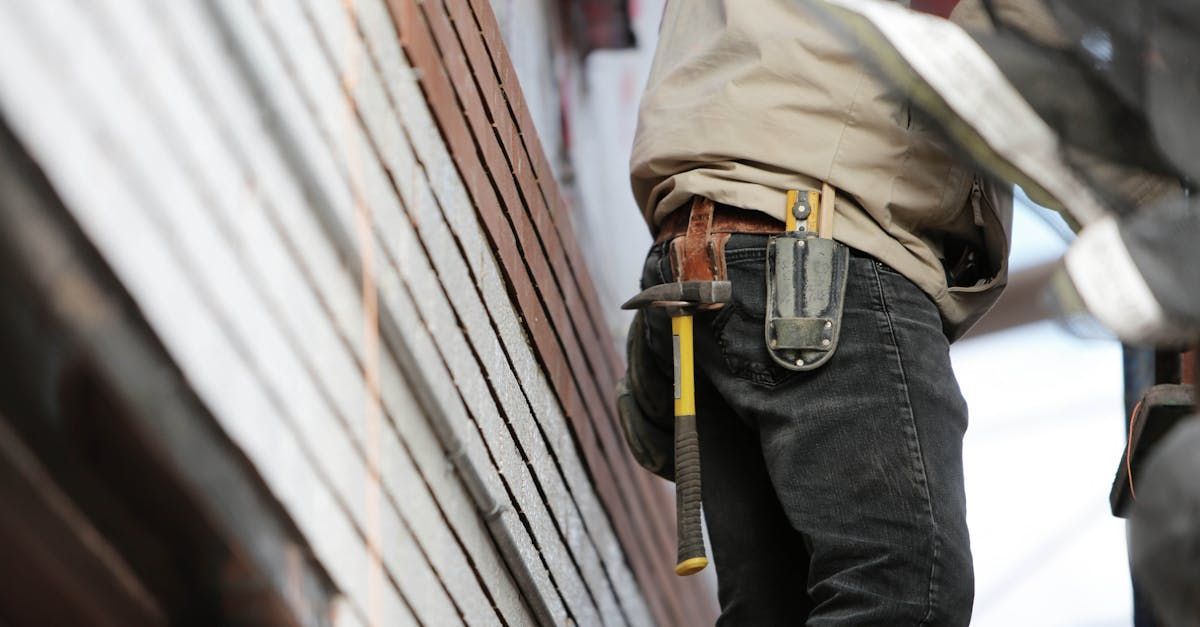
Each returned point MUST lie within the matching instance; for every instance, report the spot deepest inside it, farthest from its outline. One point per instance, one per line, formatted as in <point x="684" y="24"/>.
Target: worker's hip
<point x="875" y="295"/>
<point x="864" y="454"/>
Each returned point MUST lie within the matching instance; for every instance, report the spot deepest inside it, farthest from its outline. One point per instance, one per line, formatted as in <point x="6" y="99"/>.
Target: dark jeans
<point x="833" y="496"/>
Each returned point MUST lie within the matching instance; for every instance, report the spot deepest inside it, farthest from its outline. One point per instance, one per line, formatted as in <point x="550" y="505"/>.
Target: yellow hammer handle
<point x="685" y="377"/>
<point x="691" y="555"/>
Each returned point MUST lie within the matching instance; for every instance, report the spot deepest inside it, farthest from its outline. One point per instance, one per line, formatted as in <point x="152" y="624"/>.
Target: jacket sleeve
<point x="1128" y="186"/>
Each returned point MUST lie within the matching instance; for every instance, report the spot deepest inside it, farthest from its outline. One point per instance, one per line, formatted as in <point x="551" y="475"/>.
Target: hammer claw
<point x="683" y="294"/>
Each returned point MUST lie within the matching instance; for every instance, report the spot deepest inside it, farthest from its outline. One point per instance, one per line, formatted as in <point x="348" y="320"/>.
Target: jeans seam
<point x="914" y="444"/>
<point x="744" y="254"/>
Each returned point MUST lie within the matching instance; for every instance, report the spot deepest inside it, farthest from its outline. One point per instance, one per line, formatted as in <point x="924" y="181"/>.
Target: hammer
<point x="682" y="299"/>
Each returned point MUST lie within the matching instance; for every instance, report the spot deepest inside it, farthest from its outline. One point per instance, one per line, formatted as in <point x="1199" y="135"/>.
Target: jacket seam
<point x="849" y="117"/>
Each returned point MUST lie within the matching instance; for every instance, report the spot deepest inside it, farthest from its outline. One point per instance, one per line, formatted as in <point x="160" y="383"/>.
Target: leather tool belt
<point x="806" y="270"/>
<point x="725" y="219"/>
<point x="698" y="237"/>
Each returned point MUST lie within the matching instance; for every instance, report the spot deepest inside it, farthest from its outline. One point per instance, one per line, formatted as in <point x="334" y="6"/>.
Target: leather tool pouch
<point x="644" y="405"/>
<point x="806" y="286"/>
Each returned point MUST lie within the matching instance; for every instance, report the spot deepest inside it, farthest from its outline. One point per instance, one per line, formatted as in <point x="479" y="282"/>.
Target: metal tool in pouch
<point x="806" y="286"/>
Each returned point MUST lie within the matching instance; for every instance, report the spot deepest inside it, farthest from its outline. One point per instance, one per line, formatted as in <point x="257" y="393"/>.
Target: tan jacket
<point x="749" y="98"/>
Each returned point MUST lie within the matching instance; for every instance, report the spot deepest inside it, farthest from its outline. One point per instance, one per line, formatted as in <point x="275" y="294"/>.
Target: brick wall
<point x="337" y="219"/>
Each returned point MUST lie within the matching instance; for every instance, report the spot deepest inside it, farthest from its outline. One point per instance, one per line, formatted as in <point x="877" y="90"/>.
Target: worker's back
<point x="773" y="100"/>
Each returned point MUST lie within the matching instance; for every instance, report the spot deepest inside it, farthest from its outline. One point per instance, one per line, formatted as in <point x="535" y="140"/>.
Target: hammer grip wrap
<point x="687" y="497"/>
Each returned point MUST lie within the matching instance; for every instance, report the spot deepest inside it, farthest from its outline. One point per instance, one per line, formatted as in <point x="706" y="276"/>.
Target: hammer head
<point x="683" y="295"/>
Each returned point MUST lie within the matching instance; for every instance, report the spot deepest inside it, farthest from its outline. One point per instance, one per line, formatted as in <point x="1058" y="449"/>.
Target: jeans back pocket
<point x="738" y="326"/>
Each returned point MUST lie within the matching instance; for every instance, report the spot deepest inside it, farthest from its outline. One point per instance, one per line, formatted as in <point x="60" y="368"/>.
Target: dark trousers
<point x="833" y="496"/>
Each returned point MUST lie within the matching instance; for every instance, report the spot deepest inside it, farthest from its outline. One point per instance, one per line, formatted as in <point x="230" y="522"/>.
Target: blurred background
<point x="1046" y="431"/>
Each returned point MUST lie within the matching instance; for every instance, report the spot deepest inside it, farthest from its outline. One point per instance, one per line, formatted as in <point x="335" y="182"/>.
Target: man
<point x="832" y="495"/>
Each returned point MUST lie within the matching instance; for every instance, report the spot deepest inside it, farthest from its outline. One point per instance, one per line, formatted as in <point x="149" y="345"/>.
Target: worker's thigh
<point x="863" y="455"/>
<point x="760" y="559"/>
